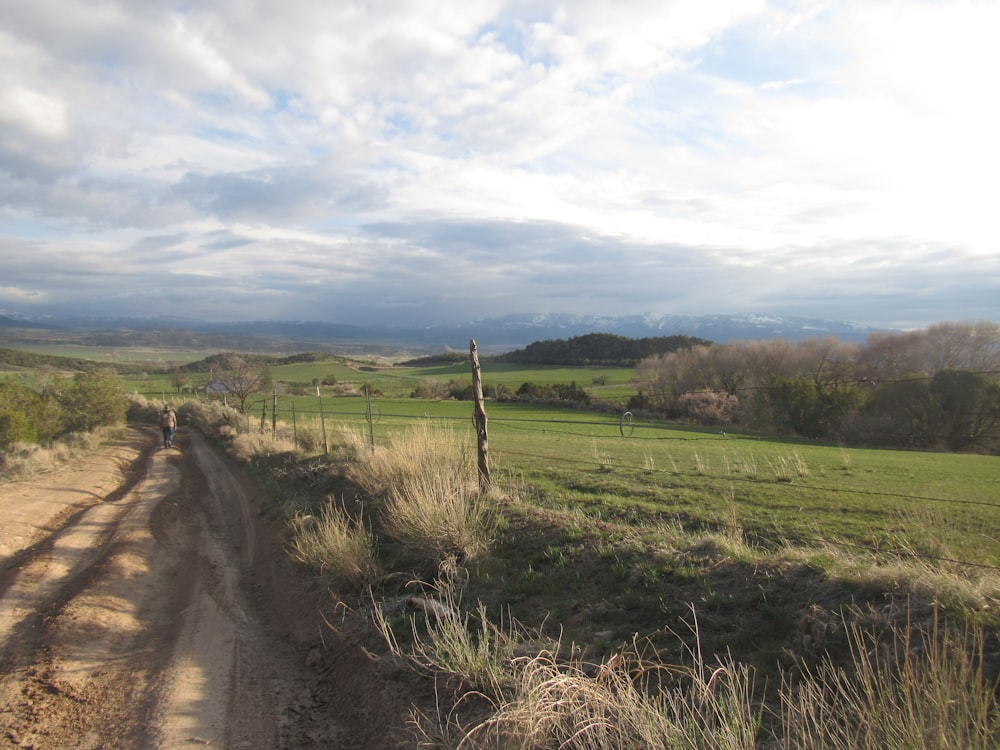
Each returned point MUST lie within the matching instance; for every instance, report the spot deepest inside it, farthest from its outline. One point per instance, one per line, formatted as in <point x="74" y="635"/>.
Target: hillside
<point x="14" y="359"/>
<point x="605" y="349"/>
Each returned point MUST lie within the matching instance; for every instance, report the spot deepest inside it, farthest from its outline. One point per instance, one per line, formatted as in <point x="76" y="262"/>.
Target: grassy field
<point x="773" y="490"/>
<point x="675" y="541"/>
<point x="607" y="383"/>
<point x="703" y="552"/>
<point x="154" y="357"/>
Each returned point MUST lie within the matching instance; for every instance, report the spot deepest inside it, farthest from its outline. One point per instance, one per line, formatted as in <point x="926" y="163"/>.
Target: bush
<point x="336" y="545"/>
<point x="709" y="407"/>
<point x="213" y="418"/>
<point x="94" y="399"/>
<point x="553" y="392"/>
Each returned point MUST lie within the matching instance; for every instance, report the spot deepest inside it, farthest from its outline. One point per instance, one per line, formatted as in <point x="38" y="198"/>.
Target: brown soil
<point x="145" y="602"/>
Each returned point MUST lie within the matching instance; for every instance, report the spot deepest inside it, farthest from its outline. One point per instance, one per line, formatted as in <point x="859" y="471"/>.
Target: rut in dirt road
<point x="124" y="620"/>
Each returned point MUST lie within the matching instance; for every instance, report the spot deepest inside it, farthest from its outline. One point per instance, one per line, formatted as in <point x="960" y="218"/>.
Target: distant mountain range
<point x="492" y="335"/>
<point x="515" y="331"/>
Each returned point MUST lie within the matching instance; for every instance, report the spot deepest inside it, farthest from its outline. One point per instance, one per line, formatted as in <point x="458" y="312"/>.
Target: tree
<point x="17" y="406"/>
<point x="95" y="398"/>
<point x="244" y="375"/>
<point x="899" y="413"/>
<point x="179" y="378"/>
<point x="808" y="409"/>
<point x="967" y="406"/>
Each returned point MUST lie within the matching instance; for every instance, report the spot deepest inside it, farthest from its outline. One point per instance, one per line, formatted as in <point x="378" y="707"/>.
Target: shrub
<point x="338" y="546"/>
<point x="709" y="407"/>
<point x="95" y="398"/>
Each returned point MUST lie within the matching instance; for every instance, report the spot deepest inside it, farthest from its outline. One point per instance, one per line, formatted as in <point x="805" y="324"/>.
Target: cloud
<point x="414" y="162"/>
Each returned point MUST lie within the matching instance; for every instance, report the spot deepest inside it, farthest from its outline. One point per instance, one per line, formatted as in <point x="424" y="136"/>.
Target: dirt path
<point x="145" y="604"/>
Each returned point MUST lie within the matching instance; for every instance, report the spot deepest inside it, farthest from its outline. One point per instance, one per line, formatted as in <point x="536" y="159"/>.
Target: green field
<point x="775" y="491"/>
<point x="613" y="529"/>
<point x="937" y="504"/>
<point x="395" y="381"/>
<point x="944" y="506"/>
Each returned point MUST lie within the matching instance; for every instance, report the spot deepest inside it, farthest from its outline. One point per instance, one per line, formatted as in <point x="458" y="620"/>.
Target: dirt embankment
<point x="146" y="603"/>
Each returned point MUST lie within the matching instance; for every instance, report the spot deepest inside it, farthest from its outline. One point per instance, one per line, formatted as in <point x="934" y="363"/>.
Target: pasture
<point x="677" y="541"/>
<point x="773" y="491"/>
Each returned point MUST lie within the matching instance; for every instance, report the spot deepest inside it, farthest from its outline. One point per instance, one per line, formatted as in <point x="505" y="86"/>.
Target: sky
<point x="415" y="163"/>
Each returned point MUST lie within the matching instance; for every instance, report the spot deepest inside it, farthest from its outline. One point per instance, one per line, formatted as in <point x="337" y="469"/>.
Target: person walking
<point x="168" y="424"/>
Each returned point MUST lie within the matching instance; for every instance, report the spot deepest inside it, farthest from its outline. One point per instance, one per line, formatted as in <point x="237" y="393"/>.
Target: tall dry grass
<point x="621" y="703"/>
<point x="425" y="487"/>
<point x="916" y="687"/>
<point x="544" y="701"/>
<point x="248" y="445"/>
<point x="339" y="546"/>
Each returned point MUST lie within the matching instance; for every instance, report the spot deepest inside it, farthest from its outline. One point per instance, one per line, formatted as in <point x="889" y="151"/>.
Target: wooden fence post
<point x="368" y="418"/>
<point x="480" y="419"/>
<point x="322" y="421"/>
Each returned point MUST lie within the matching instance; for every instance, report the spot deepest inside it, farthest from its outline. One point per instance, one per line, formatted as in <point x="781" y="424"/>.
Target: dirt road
<point x="144" y="603"/>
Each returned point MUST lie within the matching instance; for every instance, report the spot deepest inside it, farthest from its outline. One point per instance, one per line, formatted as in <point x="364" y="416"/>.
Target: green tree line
<point x="604" y="349"/>
<point x="934" y="388"/>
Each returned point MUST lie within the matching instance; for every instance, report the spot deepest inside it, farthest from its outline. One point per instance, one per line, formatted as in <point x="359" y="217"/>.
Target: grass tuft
<point x="340" y="547"/>
<point x="916" y="687"/>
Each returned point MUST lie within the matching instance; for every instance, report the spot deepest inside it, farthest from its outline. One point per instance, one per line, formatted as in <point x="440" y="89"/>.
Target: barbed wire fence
<point x="616" y="426"/>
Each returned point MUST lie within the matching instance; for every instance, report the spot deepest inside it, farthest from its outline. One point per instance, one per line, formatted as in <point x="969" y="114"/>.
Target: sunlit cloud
<point x="412" y="163"/>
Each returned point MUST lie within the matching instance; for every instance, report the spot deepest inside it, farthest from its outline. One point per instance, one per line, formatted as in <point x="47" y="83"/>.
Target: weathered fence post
<point x="295" y="428"/>
<point x="368" y="418"/>
<point x="480" y="419"/>
<point x="322" y="421"/>
<point x="274" y="413"/>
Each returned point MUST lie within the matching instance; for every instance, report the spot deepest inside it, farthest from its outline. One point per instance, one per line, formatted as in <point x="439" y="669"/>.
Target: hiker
<point x="168" y="423"/>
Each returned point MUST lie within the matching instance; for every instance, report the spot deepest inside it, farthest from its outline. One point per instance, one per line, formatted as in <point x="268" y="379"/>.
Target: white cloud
<point x="639" y="155"/>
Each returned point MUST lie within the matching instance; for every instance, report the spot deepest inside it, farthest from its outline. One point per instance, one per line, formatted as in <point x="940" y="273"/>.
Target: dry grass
<point x="25" y="459"/>
<point x="915" y="688"/>
<point x="542" y="701"/>
<point x="438" y="517"/>
<point x="337" y="545"/>
<point x="446" y="640"/>
<point x="621" y="704"/>
<point x="912" y="687"/>
<point x="422" y="450"/>
<point x="425" y="484"/>
<point x="246" y="446"/>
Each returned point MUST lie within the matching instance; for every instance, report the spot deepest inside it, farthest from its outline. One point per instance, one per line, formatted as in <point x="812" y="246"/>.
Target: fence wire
<point x="615" y="430"/>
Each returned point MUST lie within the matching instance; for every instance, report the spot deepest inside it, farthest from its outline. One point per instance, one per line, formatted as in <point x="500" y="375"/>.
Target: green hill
<point x="606" y="349"/>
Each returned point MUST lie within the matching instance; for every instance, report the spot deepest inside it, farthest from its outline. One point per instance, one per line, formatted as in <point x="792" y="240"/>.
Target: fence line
<point x="617" y="431"/>
<point x="371" y="416"/>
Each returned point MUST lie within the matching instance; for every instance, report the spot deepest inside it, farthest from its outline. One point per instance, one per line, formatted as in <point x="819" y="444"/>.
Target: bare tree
<point x="244" y="375"/>
<point x="179" y="378"/>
